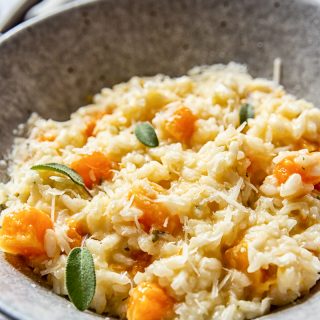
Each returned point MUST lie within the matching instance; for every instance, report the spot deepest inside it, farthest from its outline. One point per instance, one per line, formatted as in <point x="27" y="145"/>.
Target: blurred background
<point x="13" y="12"/>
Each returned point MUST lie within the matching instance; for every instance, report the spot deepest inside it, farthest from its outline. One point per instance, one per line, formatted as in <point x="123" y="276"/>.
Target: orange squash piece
<point x="93" y="168"/>
<point x="92" y="121"/>
<point x="90" y="127"/>
<point x="155" y="215"/>
<point x="47" y="137"/>
<point x="148" y="301"/>
<point x="286" y="167"/>
<point x="181" y="124"/>
<point x="76" y="232"/>
<point x="237" y="258"/>
<point x="142" y="260"/>
<point x="23" y="232"/>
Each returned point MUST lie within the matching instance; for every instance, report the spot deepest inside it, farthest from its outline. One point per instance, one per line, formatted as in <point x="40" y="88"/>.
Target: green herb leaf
<point x="156" y="235"/>
<point x="80" y="277"/>
<point x="61" y="168"/>
<point x="246" y="112"/>
<point x="2" y="207"/>
<point x="146" y="135"/>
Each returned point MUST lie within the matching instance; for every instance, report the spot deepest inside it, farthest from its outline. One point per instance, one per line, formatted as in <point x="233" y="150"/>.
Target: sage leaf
<point x="80" y="277"/>
<point x="146" y="134"/>
<point x="246" y="112"/>
<point x="61" y="168"/>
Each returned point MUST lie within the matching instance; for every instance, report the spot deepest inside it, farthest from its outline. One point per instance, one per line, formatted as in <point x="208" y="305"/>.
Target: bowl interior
<point x="52" y="65"/>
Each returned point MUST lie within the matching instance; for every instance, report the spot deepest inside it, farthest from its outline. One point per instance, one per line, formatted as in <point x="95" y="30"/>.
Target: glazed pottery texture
<point x="52" y="65"/>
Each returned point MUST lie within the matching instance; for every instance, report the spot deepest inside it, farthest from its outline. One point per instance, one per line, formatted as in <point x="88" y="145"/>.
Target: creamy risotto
<point x="201" y="199"/>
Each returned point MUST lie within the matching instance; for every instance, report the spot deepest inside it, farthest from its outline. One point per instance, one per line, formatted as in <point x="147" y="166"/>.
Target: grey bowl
<point x="51" y="64"/>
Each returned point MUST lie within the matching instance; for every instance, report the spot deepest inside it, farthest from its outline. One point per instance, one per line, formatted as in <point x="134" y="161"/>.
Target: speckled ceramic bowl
<point x="51" y="64"/>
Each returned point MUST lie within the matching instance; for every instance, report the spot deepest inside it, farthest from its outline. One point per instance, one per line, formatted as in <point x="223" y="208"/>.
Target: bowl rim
<point x="6" y="310"/>
<point x="17" y="30"/>
<point x="24" y="25"/>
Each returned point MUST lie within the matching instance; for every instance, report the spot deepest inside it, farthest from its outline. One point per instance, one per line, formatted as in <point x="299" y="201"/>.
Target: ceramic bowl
<point x="51" y="64"/>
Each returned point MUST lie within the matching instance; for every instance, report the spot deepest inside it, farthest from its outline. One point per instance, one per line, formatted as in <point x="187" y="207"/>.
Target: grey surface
<point x="51" y="66"/>
<point x="23" y="296"/>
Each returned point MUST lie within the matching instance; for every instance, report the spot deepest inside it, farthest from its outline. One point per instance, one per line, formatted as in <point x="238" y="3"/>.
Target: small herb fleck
<point x="126" y="249"/>
<point x="246" y="112"/>
<point x="156" y="235"/>
<point x="2" y="207"/>
<point x="146" y="134"/>
<point x="318" y="197"/>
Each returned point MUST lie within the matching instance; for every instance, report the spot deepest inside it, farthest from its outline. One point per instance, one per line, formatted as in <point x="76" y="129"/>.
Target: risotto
<point x="197" y="197"/>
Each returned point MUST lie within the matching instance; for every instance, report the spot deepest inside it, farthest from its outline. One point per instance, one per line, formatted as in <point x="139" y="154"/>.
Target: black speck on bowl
<point x="51" y="64"/>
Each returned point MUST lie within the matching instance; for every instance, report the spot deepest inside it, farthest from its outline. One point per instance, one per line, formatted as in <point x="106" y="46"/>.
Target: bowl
<point x="52" y="64"/>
